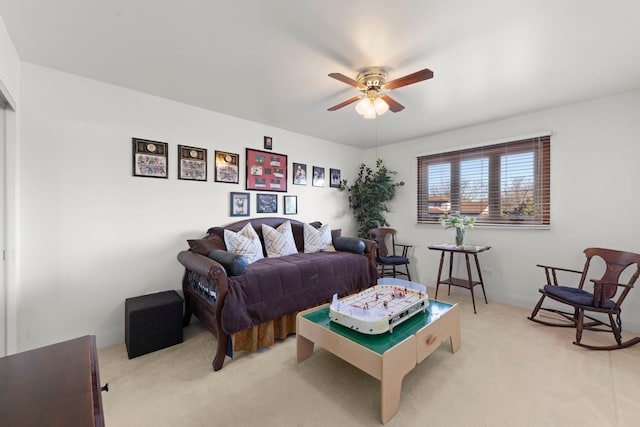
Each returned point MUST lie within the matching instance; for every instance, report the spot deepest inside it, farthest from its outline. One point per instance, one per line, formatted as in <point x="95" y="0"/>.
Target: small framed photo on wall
<point x="150" y="158"/>
<point x="226" y="167"/>
<point x="299" y="174"/>
<point x="267" y="203"/>
<point x="318" y="176"/>
<point x="268" y="143"/>
<point x="239" y="204"/>
<point x="192" y="163"/>
<point x="334" y="178"/>
<point x="290" y="205"/>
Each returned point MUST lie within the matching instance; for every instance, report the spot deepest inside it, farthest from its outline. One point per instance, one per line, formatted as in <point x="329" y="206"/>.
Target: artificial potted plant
<point x="369" y="194"/>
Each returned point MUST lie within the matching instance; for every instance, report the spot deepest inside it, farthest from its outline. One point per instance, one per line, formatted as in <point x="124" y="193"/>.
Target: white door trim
<point x="10" y="246"/>
<point x="3" y="229"/>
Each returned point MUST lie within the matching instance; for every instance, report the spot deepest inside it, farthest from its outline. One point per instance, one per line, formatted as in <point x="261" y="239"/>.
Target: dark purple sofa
<point x="271" y="289"/>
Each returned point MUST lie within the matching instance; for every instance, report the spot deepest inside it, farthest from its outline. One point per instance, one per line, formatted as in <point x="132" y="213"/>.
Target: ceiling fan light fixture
<point x="363" y="106"/>
<point x="370" y="114"/>
<point x="371" y="106"/>
<point x="367" y="108"/>
<point x="380" y="106"/>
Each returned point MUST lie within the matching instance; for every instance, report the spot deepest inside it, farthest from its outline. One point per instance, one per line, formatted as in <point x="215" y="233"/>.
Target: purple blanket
<point x="273" y="287"/>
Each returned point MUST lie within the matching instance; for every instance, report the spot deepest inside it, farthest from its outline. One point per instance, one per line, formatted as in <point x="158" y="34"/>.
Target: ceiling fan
<point x="372" y="82"/>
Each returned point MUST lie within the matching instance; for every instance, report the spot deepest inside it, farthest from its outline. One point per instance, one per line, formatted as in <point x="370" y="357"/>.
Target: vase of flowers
<point x="461" y="223"/>
<point x="459" y="236"/>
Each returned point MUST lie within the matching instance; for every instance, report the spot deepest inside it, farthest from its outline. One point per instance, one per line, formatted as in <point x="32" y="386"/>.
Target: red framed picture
<point x="266" y="171"/>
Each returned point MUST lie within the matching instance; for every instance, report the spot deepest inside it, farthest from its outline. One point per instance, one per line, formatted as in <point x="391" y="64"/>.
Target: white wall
<point x="92" y="234"/>
<point x="594" y="174"/>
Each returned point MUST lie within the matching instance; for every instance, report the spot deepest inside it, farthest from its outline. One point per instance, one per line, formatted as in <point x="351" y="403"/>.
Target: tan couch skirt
<point x="265" y="334"/>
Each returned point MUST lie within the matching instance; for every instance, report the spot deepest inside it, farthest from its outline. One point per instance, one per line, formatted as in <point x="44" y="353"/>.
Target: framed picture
<point x="239" y="204"/>
<point x="290" y="205"/>
<point x="192" y="163"/>
<point x="334" y="178"/>
<point x="268" y="143"/>
<point x="266" y="171"/>
<point x="226" y="167"/>
<point x="300" y="174"/>
<point x="266" y="203"/>
<point x="150" y="158"/>
<point x="318" y="176"/>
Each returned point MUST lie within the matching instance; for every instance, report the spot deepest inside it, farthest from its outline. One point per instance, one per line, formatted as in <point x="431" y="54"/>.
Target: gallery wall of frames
<point x="267" y="173"/>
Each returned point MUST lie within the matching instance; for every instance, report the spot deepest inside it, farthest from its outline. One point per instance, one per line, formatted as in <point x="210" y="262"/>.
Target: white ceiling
<point x="267" y="60"/>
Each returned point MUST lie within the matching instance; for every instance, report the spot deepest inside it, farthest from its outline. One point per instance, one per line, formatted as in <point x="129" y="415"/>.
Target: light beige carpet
<point x="508" y="372"/>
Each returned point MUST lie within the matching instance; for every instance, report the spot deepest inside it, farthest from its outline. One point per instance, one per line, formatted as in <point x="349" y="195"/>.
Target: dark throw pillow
<point x="205" y="246"/>
<point x="349" y="244"/>
<point x="234" y="264"/>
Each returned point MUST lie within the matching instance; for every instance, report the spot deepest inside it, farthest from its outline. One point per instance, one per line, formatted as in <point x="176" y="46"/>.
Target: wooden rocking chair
<point x="600" y="301"/>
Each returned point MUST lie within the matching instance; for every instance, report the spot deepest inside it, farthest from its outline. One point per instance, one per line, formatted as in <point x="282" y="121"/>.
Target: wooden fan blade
<point x="393" y="105"/>
<point x="416" y="77"/>
<point x="347" y="80"/>
<point x="345" y="103"/>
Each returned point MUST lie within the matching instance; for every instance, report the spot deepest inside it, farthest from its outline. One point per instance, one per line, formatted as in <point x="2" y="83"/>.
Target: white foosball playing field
<point x="380" y="308"/>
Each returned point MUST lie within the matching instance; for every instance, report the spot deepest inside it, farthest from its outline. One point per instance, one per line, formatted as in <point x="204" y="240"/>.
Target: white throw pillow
<point x="317" y="239"/>
<point x="279" y="241"/>
<point x="245" y="242"/>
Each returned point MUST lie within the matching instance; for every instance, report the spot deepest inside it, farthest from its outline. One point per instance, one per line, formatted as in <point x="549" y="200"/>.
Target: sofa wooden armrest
<point x="212" y="289"/>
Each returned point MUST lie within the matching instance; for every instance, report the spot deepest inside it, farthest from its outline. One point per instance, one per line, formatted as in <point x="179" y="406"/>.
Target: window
<point x="501" y="184"/>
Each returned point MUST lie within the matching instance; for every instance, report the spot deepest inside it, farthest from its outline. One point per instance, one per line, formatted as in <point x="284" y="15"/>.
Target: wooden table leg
<point x="439" y="273"/>
<point x="396" y="363"/>
<point x="466" y="255"/>
<point x="480" y="278"/>
<point x="304" y="348"/>
<point x="450" y="271"/>
<point x="452" y="327"/>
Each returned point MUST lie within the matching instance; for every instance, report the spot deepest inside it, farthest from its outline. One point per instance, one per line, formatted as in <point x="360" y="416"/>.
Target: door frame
<point x="9" y="223"/>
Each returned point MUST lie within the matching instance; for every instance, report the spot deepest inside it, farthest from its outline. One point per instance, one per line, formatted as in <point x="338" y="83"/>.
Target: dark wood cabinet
<point x="56" y="385"/>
